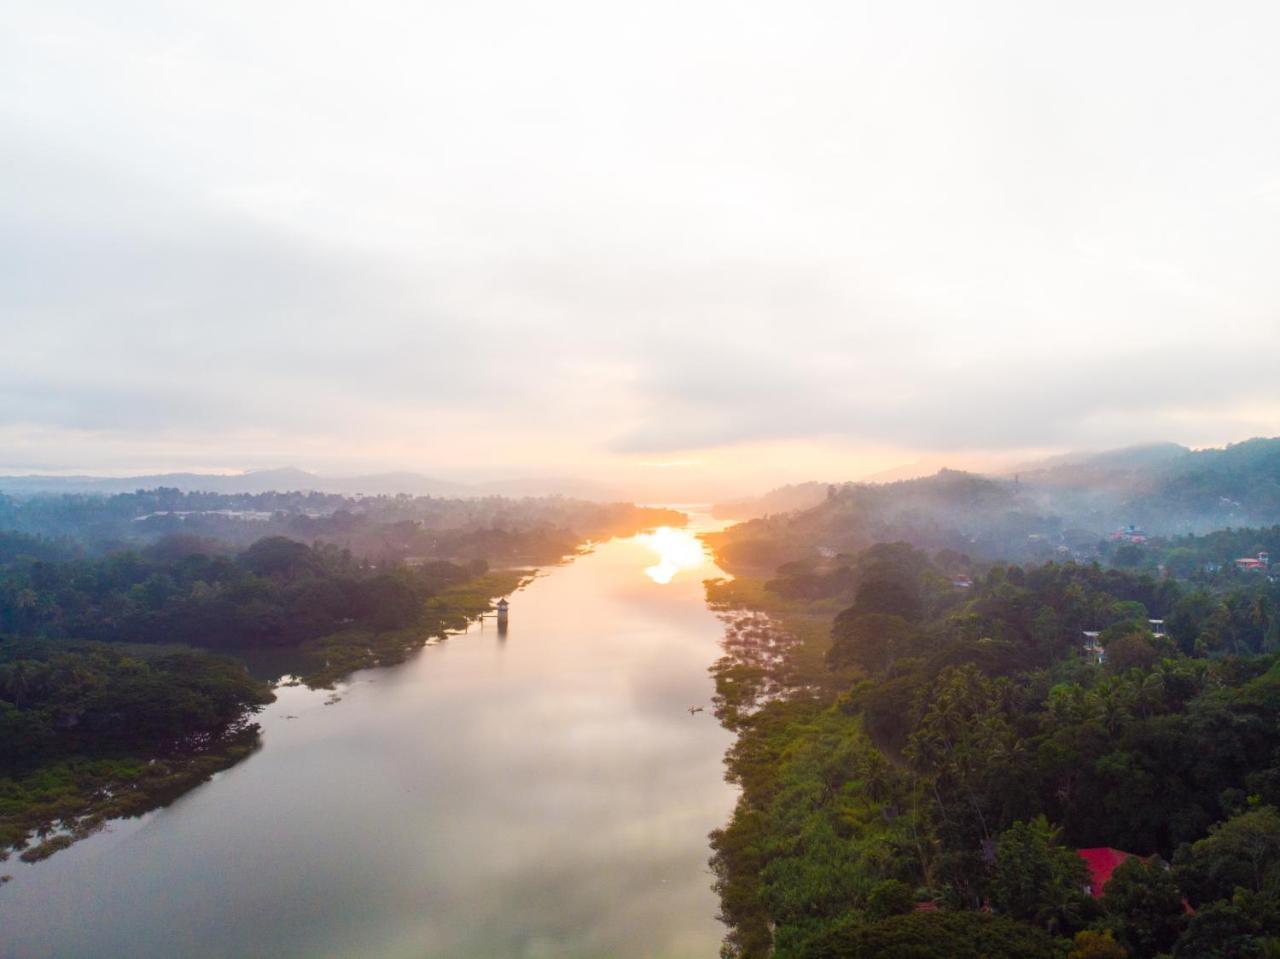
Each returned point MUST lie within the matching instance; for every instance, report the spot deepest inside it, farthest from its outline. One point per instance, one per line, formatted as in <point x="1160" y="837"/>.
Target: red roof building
<point x="1102" y="863"/>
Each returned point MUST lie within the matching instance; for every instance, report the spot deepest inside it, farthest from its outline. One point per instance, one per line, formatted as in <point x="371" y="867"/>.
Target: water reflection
<point x="550" y="797"/>
<point x="677" y="549"/>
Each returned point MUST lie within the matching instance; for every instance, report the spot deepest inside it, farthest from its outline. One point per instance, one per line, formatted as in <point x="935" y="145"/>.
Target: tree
<point x="869" y="640"/>
<point x="1221" y="931"/>
<point x="1089" y="944"/>
<point x="1131" y="651"/>
<point x="1127" y="556"/>
<point x="279" y="556"/>
<point x="16" y="681"/>
<point x="1189" y="614"/>
<point x="898" y="596"/>
<point x="889" y="897"/>
<point x="1243" y="852"/>
<point x="935" y="935"/>
<point x="1271" y="640"/>
<point x="965" y="740"/>
<point x="1143" y="901"/>
<point x="1047" y="632"/>
<point x="1037" y="878"/>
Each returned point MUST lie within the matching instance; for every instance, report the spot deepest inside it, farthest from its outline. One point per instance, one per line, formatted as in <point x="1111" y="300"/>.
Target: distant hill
<point x="951" y="510"/>
<point x="784" y="499"/>
<point x="1164" y="488"/>
<point x="1060" y="507"/>
<point x="906" y="471"/>
<point x="1127" y="459"/>
<point x="1122" y="470"/>
<point x="290" y="480"/>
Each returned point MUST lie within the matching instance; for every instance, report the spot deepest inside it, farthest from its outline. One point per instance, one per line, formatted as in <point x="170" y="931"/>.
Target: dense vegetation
<point x="59" y="699"/>
<point x="91" y="730"/>
<point x="183" y="589"/>
<point x="383" y="529"/>
<point x="958" y="747"/>
<point x="1209" y="558"/>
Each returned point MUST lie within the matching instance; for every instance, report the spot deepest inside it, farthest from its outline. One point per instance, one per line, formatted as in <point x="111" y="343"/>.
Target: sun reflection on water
<point x="677" y="549"/>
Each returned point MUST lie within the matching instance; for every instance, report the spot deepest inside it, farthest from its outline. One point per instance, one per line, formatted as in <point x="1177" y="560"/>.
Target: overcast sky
<point x="696" y="239"/>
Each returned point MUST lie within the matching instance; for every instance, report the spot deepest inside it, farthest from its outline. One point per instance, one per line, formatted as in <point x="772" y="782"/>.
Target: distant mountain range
<point x="290" y="479"/>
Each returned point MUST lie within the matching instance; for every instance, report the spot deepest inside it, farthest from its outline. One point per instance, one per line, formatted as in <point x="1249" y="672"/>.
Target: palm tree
<point x="15" y="681"/>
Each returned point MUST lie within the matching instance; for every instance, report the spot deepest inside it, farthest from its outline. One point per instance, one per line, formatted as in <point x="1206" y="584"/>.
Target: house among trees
<point x="1129" y="534"/>
<point x="1260" y="563"/>
<point x="1102" y="862"/>
<point x="1092" y="646"/>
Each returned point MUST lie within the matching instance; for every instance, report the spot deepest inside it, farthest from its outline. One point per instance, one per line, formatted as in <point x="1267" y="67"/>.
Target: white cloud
<point x="422" y="235"/>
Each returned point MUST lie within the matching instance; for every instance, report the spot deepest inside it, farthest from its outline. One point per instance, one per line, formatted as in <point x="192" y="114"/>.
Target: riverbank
<point x="101" y="730"/>
<point x="46" y="806"/>
<point x="337" y="655"/>
<point x="775" y="648"/>
<point x="774" y="692"/>
<point x="47" y="810"/>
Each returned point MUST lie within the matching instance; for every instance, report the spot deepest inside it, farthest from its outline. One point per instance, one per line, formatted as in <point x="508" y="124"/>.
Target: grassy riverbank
<point x="48" y="809"/>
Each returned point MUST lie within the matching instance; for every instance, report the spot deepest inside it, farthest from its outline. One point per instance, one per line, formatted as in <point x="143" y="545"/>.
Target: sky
<point x="667" y="244"/>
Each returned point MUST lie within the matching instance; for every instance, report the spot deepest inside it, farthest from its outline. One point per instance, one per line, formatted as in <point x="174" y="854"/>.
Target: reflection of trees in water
<point x="92" y="793"/>
<point x="752" y="671"/>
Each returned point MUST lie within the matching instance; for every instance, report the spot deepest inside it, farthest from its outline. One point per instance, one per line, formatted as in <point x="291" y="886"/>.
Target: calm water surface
<point x="546" y="794"/>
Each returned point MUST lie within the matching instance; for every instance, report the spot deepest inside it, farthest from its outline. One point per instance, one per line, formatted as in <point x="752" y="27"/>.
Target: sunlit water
<point x="546" y="794"/>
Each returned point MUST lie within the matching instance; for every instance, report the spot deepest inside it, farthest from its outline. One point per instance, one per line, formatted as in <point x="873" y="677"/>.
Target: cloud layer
<point x="582" y="236"/>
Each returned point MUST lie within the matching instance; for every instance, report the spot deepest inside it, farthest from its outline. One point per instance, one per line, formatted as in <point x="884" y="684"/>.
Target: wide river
<point x="543" y="794"/>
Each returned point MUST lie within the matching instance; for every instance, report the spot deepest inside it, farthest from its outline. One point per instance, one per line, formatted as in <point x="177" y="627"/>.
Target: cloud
<point x="1092" y="398"/>
<point x="495" y="233"/>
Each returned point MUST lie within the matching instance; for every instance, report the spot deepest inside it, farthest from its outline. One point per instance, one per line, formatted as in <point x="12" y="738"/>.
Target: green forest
<point x="184" y="589"/>
<point x="924" y="746"/>
<point x="92" y="731"/>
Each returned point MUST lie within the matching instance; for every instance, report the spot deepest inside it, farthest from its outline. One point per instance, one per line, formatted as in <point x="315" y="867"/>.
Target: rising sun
<point x="677" y="549"/>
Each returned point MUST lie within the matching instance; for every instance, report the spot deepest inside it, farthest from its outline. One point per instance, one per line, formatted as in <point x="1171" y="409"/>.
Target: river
<point x="546" y="793"/>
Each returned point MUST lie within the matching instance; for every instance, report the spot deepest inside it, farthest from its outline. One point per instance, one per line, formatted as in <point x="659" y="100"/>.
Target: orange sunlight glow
<point x="677" y="549"/>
